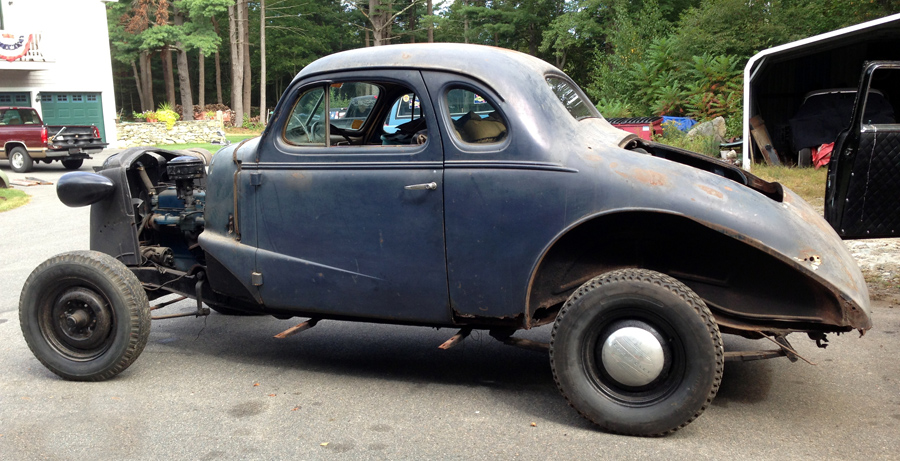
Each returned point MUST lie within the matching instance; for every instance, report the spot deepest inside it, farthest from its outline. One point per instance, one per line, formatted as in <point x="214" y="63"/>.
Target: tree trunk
<point x="218" y="65"/>
<point x="262" y="62"/>
<point x="184" y="77"/>
<point x="201" y="81"/>
<point x="235" y="12"/>
<point x="429" y="10"/>
<point x="169" y="75"/>
<point x="139" y="85"/>
<point x="379" y="16"/>
<point x="412" y="24"/>
<point x="246" y="50"/>
<point x="147" y="81"/>
<point x="218" y="79"/>
<point x="532" y="40"/>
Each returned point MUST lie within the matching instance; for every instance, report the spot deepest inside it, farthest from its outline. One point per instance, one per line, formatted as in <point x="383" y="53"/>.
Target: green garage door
<point x="73" y="109"/>
<point x="15" y="99"/>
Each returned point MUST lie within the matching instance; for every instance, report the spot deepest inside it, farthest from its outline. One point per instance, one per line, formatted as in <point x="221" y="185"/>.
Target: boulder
<point x="714" y="128"/>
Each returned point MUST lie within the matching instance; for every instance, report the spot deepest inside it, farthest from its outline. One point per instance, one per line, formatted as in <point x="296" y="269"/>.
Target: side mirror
<point x="81" y="188"/>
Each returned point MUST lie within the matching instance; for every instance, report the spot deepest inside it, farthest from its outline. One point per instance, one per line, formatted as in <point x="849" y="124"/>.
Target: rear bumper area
<point x="69" y="152"/>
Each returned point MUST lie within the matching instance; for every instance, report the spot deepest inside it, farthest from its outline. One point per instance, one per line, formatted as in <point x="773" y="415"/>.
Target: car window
<point x="405" y="108"/>
<point x="350" y="106"/>
<point x="571" y="98"/>
<point x="305" y="126"/>
<point x="358" y="98"/>
<point x="475" y="120"/>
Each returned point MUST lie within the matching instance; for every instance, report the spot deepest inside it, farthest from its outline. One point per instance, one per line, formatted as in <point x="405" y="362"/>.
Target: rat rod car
<point x="506" y="202"/>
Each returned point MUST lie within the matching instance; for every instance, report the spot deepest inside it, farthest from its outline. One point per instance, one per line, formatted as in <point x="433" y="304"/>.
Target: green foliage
<point x="716" y="89"/>
<point x="167" y="115"/>
<point x="672" y="136"/>
<point x="612" y="108"/>
<point x="250" y="125"/>
<point x="628" y="37"/>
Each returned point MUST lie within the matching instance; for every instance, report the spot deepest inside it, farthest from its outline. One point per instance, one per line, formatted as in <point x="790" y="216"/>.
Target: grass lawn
<point x="212" y="148"/>
<point x="808" y="183"/>
<point x="12" y="198"/>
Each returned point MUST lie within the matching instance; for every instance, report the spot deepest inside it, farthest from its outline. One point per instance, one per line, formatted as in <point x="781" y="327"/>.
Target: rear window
<point x="571" y="97"/>
<point x="18" y="117"/>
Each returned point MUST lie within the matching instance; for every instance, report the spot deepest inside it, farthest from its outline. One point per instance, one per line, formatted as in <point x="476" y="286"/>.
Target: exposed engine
<point x="169" y="228"/>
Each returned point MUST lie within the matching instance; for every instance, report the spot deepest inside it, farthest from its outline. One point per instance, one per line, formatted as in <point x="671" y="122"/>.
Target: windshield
<point x="572" y="98"/>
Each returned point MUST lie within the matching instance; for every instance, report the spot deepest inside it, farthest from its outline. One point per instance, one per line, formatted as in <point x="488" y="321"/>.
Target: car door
<point x="350" y="224"/>
<point x="862" y="198"/>
<point x="503" y="199"/>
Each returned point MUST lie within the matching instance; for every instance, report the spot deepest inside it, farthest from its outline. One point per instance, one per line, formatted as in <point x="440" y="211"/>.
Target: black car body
<point x="527" y="210"/>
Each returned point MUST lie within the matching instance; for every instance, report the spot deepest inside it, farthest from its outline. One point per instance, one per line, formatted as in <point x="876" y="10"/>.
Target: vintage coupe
<point x="505" y="203"/>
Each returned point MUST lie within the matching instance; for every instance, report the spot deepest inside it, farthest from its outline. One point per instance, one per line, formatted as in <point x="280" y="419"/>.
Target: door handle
<point x="426" y="186"/>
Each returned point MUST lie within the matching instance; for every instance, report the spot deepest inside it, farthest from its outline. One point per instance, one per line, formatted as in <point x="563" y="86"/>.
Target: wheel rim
<point x="78" y="323"/>
<point x="17" y="161"/>
<point x="634" y="357"/>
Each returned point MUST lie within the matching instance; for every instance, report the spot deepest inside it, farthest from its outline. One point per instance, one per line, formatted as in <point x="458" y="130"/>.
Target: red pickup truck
<point x="25" y="139"/>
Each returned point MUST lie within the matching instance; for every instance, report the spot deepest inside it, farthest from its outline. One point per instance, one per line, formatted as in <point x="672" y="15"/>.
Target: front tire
<point x="72" y="163"/>
<point x="84" y="315"/>
<point x="19" y="160"/>
<point x="637" y="352"/>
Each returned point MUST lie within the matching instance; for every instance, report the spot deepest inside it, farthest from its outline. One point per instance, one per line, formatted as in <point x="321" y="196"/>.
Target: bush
<point x="614" y="108"/>
<point x="672" y="136"/>
<point x="166" y="114"/>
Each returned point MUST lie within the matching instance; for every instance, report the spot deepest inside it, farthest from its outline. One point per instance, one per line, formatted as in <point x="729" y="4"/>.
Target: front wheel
<point x="72" y="163"/>
<point x="84" y="315"/>
<point x="19" y="160"/>
<point x="637" y="352"/>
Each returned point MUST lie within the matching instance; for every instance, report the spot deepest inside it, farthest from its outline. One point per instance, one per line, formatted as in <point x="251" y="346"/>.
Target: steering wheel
<point x="301" y="127"/>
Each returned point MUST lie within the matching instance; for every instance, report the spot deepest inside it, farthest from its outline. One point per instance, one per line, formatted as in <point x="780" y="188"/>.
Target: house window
<point x="46" y="98"/>
<point x="62" y="98"/>
<point x="76" y="98"/>
<point x="5" y="98"/>
<point x="92" y="97"/>
<point x="21" y="98"/>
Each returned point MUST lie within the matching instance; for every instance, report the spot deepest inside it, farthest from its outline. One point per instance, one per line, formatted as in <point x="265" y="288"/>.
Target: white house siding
<point x="74" y="41"/>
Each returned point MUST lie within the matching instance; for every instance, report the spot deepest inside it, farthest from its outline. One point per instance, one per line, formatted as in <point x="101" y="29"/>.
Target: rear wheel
<point x="637" y="352"/>
<point x="84" y="315"/>
<point x="19" y="160"/>
<point x="804" y="157"/>
<point x="72" y="163"/>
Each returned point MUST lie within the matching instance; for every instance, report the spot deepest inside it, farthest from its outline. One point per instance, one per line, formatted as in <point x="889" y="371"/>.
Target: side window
<point x="475" y="120"/>
<point x="305" y="127"/>
<point x="356" y="114"/>
<point x="405" y="123"/>
<point x="29" y="116"/>
<point x="356" y="100"/>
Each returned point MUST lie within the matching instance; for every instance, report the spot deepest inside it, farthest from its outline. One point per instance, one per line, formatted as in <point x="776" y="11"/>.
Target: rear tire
<point x="19" y="160"/>
<point x="72" y="163"/>
<point x="804" y="158"/>
<point x="84" y="315"/>
<point x="637" y="352"/>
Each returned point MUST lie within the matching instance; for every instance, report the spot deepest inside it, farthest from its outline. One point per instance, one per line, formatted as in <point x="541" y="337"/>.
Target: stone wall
<point x="145" y="134"/>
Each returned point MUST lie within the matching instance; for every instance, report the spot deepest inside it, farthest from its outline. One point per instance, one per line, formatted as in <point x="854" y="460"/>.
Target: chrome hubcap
<point x="633" y="356"/>
<point x="17" y="161"/>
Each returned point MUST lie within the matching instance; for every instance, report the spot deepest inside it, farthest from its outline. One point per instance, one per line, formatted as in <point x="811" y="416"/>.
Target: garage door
<point x="15" y="99"/>
<point x="73" y="109"/>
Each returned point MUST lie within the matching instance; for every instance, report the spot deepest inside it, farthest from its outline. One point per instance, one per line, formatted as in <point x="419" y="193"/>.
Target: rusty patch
<point x="649" y="177"/>
<point x="710" y="191"/>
